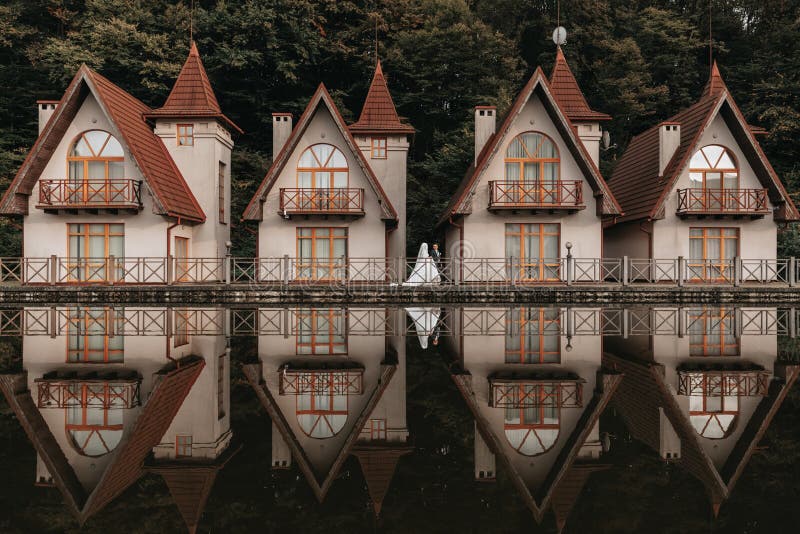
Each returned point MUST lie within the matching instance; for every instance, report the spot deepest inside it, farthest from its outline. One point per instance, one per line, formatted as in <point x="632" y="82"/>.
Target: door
<point x="182" y="273"/>
<point x="532" y="252"/>
<point x="321" y="253"/>
<point x="89" y="249"/>
<point x="711" y="253"/>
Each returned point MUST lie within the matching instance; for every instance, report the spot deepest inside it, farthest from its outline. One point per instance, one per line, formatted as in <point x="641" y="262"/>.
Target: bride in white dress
<point x="425" y="271"/>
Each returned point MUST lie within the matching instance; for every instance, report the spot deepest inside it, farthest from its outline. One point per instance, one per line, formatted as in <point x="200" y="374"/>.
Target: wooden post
<point x="170" y="270"/>
<point x="626" y="273"/>
<point x="737" y="271"/>
<point x="679" y="269"/>
<point x="285" y="270"/>
<point x="792" y="274"/>
<point x="53" y="269"/>
<point x="228" y="269"/>
<point x="110" y="270"/>
<point x="681" y="322"/>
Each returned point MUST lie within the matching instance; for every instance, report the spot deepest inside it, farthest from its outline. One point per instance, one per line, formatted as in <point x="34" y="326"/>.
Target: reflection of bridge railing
<point x="478" y="321"/>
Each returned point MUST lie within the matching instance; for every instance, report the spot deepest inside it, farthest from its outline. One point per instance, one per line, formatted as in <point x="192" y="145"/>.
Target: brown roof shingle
<point x="379" y="114"/>
<point x="378" y="463"/>
<point x="568" y="93"/>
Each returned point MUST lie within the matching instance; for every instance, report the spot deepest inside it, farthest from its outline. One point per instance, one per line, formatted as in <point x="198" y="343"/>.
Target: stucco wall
<point x="627" y="239"/>
<point x="484" y="231"/>
<point x="278" y="236"/>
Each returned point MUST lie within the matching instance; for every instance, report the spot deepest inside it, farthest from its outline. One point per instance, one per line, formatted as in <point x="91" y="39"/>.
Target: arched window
<point x="713" y="417"/>
<point x="94" y="421"/>
<point x="533" y="429"/>
<point x="532" y="157"/>
<point x="321" y="414"/>
<point x="713" y="167"/>
<point x="322" y="166"/>
<point x="96" y="155"/>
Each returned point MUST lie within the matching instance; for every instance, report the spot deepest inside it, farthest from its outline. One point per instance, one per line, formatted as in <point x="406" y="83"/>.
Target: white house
<point x="698" y="186"/>
<point x="109" y="177"/>
<point x="96" y="400"/>
<point x="335" y="195"/>
<point x="533" y="187"/>
<point x="536" y="394"/>
<point x="704" y="398"/>
<point x="333" y="383"/>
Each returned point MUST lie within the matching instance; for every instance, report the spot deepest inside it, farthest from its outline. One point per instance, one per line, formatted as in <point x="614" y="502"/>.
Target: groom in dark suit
<point x="436" y="255"/>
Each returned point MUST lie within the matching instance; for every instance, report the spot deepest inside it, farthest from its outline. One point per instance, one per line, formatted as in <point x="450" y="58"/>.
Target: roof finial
<point x="191" y="24"/>
<point x="710" y="41"/>
<point x="376" y="40"/>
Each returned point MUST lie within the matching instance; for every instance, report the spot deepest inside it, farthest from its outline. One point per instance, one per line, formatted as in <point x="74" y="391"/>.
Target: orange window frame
<point x="323" y="168"/>
<point x="181" y="336"/>
<point x="714" y="170"/>
<point x="532" y="158"/>
<point x="377" y="429"/>
<point x="334" y="317"/>
<point x="312" y="263"/>
<point x="182" y="260"/>
<point x="320" y="413"/>
<point x="722" y="264"/>
<point x="533" y="323"/>
<point x="713" y="415"/>
<point x="713" y="340"/>
<point x="533" y="427"/>
<point x="94" y="157"/>
<point x="185" y="134"/>
<point x="91" y="268"/>
<point x="520" y="231"/>
<point x="183" y="446"/>
<point x="221" y="191"/>
<point x="379" y="148"/>
<point x="84" y="317"/>
<point x="84" y="425"/>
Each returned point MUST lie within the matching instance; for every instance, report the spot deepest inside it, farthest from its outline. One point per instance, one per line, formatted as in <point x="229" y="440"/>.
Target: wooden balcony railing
<point x="703" y="201"/>
<point x="327" y="201"/>
<point x="90" y="194"/>
<point x="536" y="195"/>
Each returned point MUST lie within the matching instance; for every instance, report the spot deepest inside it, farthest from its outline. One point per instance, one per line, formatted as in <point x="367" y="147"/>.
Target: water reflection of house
<point x="705" y="397"/>
<point x="96" y="402"/>
<point x="536" y="396"/>
<point x="333" y="383"/>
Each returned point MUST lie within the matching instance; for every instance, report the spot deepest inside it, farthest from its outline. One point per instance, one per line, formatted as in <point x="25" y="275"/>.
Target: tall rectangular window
<point x="711" y="253"/>
<point x="378" y="148"/>
<point x="377" y="429"/>
<point x="321" y="253"/>
<point x="185" y="135"/>
<point x="181" y="336"/>
<point x="182" y="273"/>
<point x="533" y="335"/>
<point x="712" y="333"/>
<point x="532" y="251"/>
<point x="221" y="192"/>
<point x="221" y="387"/>
<point x="183" y="446"/>
<point x="89" y="246"/>
<point x="321" y="331"/>
<point x="94" y="335"/>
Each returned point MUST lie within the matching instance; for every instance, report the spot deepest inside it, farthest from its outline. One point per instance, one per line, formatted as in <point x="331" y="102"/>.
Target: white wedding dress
<point x="425" y="321"/>
<point x="425" y="271"/>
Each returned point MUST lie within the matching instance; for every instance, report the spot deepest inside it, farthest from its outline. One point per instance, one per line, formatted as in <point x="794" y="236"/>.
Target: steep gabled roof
<point x="171" y="194"/>
<point x="569" y="490"/>
<point x="320" y="486"/>
<point x="642" y="192"/>
<point x="379" y="114"/>
<point x="378" y="464"/>
<point x="644" y="391"/>
<point x="460" y="202"/>
<point x="172" y="386"/>
<point x="539" y="500"/>
<point x="568" y="93"/>
<point x="192" y="95"/>
<point x="321" y="97"/>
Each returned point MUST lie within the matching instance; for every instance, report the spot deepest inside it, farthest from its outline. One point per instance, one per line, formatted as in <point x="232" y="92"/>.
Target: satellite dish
<point x="606" y="139"/>
<point x="560" y="36"/>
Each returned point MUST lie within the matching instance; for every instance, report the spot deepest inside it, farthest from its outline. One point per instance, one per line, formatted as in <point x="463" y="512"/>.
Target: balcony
<point x="701" y="202"/>
<point x="109" y="195"/>
<point x="518" y="392"/>
<point x="322" y="201"/>
<point x="536" y="196"/>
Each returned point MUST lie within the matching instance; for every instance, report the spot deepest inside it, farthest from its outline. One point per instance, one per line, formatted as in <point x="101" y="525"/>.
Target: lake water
<point x="473" y="419"/>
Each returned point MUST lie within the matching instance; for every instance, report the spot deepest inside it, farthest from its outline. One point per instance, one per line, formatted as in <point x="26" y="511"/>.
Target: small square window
<point x="378" y="148"/>
<point x="183" y="446"/>
<point x="185" y="135"/>
<point x="377" y="429"/>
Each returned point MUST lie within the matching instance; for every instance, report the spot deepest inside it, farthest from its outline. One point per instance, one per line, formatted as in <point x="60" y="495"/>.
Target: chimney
<point x="485" y="464"/>
<point x="669" y="138"/>
<point x="281" y="130"/>
<point x="46" y="110"/>
<point x="485" y="117"/>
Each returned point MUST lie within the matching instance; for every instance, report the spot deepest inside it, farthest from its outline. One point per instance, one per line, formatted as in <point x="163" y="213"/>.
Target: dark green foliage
<point x="638" y="61"/>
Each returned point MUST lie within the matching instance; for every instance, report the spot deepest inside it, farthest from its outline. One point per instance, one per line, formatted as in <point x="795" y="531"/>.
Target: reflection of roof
<point x="190" y="483"/>
<point x="644" y="391"/>
<point x="171" y="193"/>
<point x="319" y="484"/>
<point x="378" y="463"/>
<point x="172" y="386"/>
<point x="566" y="494"/>
<point x="539" y="499"/>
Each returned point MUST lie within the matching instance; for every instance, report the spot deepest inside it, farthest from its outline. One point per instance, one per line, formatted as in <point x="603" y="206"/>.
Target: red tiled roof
<point x="642" y="192"/>
<point x="568" y="93"/>
<point x="192" y="95"/>
<point x="378" y="463"/>
<point x="379" y="114"/>
<point x="170" y="191"/>
<point x="460" y="201"/>
<point x="321" y="97"/>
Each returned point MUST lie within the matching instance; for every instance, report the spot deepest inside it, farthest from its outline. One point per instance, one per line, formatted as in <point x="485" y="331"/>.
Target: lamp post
<point x="569" y="262"/>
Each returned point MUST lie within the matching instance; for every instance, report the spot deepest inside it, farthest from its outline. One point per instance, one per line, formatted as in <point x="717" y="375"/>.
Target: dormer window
<point x="95" y="430"/>
<point x="532" y="428"/>
<point x="185" y="135"/>
<point x="378" y="148"/>
<point x="713" y="167"/>
<point x="321" y="410"/>
<point x="532" y="157"/>
<point x="96" y="155"/>
<point x="322" y="166"/>
<point x="713" y="416"/>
